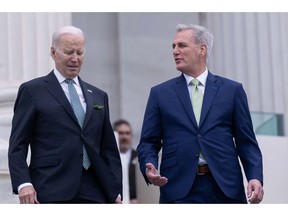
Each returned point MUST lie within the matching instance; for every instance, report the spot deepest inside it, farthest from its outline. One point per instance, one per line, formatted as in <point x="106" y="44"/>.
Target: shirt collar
<point x="127" y="153"/>
<point x="61" y="78"/>
<point x="202" y="78"/>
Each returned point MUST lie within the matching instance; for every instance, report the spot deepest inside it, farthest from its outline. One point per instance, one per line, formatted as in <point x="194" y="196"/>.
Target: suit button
<point x="196" y="156"/>
<point x="199" y="136"/>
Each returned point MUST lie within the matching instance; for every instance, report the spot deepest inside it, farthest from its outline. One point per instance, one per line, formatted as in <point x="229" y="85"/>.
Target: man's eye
<point x="68" y="53"/>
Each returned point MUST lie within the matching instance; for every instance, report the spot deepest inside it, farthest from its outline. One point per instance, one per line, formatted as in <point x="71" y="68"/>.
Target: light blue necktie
<point x="80" y="114"/>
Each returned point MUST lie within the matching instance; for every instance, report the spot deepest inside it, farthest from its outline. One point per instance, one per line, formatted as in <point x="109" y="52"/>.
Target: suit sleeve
<point x="22" y="126"/>
<point x="110" y="159"/>
<point x="246" y="143"/>
<point x="151" y="136"/>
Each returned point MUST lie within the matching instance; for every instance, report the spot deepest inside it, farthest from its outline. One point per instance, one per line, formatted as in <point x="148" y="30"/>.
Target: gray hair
<point x="202" y="35"/>
<point x="65" y="30"/>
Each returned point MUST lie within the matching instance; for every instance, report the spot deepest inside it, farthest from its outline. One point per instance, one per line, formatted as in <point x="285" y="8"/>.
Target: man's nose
<point x="175" y="51"/>
<point x="74" y="57"/>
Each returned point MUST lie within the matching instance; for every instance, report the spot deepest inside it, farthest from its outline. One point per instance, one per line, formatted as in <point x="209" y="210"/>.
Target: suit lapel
<point x="55" y="89"/>
<point x="183" y="94"/>
<point x="88" y="95"/>
<point x="211" y="89"/>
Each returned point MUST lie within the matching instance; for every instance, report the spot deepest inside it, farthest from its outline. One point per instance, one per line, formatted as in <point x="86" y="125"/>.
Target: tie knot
<point x="69" y="81"/>
<point x="195" y="82"/>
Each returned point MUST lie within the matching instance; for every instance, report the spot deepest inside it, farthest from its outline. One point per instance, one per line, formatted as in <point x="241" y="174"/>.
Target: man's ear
<point x="203" y="51"/>
<point x="52" y="52"/>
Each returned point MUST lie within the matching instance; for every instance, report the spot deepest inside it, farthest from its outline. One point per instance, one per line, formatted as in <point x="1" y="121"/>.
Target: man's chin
<point x="179" y="68"/>
<point x="73" y="73"/>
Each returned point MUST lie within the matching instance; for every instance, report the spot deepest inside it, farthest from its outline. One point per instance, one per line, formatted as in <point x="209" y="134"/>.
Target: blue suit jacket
<point x="44" y="119"/>
<point x="225" y="135"/>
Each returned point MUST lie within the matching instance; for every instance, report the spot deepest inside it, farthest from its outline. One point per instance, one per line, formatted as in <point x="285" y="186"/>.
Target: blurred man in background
<point x="128" y="158"/>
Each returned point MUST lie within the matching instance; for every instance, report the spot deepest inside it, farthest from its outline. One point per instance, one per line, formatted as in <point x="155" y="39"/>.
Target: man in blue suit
<point x="200" y="156"/>
<point x="59" y="137"/>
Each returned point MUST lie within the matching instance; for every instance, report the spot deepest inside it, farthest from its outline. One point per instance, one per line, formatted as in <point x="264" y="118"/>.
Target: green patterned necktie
<point x="80" y="114"/>
<point x="197" y="99"/>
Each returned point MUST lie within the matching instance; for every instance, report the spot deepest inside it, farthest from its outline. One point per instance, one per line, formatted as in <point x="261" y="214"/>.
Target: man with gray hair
<point x="65" y="122"/>
<point x="202" y="124"/>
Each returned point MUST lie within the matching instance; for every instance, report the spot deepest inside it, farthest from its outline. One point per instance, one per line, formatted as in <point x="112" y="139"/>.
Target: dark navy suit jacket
<point x="225" y="135"/>
<point x="44" y="119"/>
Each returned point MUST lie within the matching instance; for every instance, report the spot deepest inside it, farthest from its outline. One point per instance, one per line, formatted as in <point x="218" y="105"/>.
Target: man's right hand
<point x="118" y="199"/>
<point x="154" y="177"/>
<point x="28" y="195"/>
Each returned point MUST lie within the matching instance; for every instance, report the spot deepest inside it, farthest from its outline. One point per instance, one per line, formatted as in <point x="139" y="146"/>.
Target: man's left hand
<point x="255" y="191"/>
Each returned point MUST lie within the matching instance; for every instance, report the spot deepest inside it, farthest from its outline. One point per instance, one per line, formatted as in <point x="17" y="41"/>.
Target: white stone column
<point x="25" y="42"/>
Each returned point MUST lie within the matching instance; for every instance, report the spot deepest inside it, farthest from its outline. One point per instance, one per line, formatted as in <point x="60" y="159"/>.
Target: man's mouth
<point x="178" y="60"/>
<point x="73" y="66"/>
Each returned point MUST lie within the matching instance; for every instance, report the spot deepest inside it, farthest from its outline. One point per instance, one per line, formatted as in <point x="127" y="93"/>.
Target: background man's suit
<point x="132" y="175"/>
<point x="169" y="123"/>
<point x="58" y="138"/>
